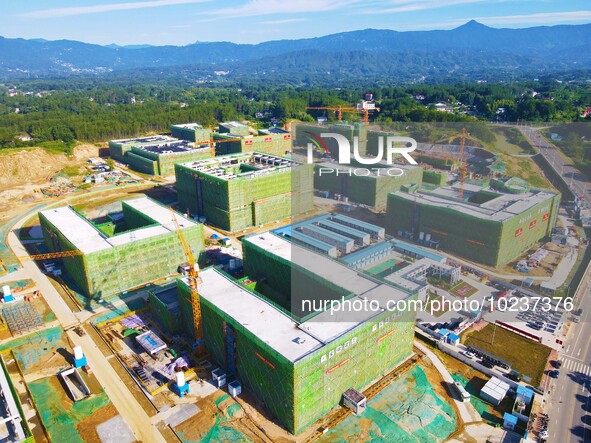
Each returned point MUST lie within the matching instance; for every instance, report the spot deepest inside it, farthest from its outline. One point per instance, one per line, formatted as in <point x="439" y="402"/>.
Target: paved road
<point x="569" y="404"/>
<point x="569" y="401"/>
<point x="574" y="179"/>
<point x="131" y="411"/>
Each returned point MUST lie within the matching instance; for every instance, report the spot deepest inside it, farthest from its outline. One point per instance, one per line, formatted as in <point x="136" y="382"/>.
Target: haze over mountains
<point x="470" y="50"/>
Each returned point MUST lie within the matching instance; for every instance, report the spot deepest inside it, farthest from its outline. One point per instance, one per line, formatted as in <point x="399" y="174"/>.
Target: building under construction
<point x="119" y="253"/>
<point x="237" y="191"/>
<point x="365" y="184"/>
<point x="234" y="137"/>
<point x="303" y="136"/>
<point x="492" y="225"/>
<point x="156" y="155"/>
<point x="191" y="132"/>
<point x="299" y="367"/>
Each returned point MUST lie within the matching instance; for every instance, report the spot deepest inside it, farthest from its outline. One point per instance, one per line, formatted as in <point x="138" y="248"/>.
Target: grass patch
<point x="442" y="308"/>
<point x="526" y="169"/>
<point x="525" y="355"/>
<point x="439" y="283"/>
<point x="71" y="171"/>
<point x="511" y="141"/>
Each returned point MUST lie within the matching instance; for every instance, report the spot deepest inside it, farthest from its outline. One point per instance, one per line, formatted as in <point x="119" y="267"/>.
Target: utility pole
<point x="494" y="333"/>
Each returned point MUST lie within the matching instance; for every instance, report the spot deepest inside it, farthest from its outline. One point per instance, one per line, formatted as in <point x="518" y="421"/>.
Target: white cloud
<point x="96" y="9"/>
<point x="283" y="21"/>
<point x="416" y="5"/>
<point x="269" y="7"/>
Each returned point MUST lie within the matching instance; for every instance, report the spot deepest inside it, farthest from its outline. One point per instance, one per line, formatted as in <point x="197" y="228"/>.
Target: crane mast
<point x="193" y="280"/>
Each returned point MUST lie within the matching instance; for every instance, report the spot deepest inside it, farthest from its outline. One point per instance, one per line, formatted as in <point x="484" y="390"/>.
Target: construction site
<point x="121" y="251"/>
<point x="369" y="187"/>
<point x="156" y="155"/>
<point x="235" y="137"/>
<point x="299" y="370"/>
<point x="237" y="191"/>
<point x="491" y="224"/>
<point x="191" y="132"/>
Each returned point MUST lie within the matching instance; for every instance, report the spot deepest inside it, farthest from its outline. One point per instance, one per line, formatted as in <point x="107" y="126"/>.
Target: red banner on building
<point x="335" y="367"/>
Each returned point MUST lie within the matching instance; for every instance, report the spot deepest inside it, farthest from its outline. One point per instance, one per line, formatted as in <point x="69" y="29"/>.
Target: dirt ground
<point x="24" y="171"/>
<point x="87" y="427"/>
<point x="36" y="165"/>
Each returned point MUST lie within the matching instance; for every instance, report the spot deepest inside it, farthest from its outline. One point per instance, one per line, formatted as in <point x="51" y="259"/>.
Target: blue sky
<point x="180" y="22"/>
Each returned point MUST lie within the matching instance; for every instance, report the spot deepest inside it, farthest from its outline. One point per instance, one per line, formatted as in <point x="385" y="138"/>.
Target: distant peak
<point x="472" y="24"/>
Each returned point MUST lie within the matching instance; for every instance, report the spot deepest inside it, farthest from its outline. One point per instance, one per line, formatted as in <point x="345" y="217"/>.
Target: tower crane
<point x="340" y="109"/>
<point x="463" y="166"/>
<point x="58" y="254"/>
<point x="194" y="280"/>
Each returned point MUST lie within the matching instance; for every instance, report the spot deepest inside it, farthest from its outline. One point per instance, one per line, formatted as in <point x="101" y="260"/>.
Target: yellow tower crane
<point x="463" y="166"/>
<point x="59" y="254"/>
<point x="340" y="109"/>
<point x="193" y="280"/>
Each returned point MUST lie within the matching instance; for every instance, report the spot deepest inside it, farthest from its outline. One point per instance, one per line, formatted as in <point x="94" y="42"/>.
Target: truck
<point x="461" y="392"/>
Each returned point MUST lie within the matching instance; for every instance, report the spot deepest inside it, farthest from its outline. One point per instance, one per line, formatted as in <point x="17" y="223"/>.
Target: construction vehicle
<point x="193" y="280"/>
<point x="340" y="109"/>
<point x="32" y="296"/>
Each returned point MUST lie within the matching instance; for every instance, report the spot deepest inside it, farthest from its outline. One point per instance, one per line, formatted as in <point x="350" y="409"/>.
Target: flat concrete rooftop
<point x="88" y="239"/>
<point x="326" y="327"/>
<point x="221" y="167"/>
<point x="268" y="323"/>
<point x="501" y="208"/>
<point x="171" y="147"/>
<point x="153" y="139"/>
<point x="188" y="126"/>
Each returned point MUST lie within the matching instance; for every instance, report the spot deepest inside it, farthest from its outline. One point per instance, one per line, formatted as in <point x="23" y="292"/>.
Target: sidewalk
<point x="467" y="412"/>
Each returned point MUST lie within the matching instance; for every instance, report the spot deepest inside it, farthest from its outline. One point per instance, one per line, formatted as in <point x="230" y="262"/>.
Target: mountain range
<point x="471" y="50"/>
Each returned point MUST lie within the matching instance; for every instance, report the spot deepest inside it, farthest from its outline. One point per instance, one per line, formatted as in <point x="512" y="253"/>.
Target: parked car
<point x="487" y="363"/>
<point x="469" y="354"/>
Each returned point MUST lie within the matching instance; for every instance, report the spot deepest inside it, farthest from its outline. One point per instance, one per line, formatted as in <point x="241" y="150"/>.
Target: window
<point x="331" y="354"/>
<point x="346" y="345"/>
<point x="323" y="358"/>
<point x="381" y="324"/>
<point x="339" y="349"/>
<point x="354" y="340"/>
<point x="374" y="328"/>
